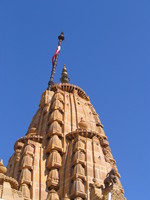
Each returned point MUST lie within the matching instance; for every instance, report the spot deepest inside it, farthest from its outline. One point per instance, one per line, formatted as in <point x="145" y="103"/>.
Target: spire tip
<point x="64" y="75"/>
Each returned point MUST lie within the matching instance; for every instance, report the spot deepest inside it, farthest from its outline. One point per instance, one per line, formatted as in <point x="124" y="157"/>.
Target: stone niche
<point x="54" y="143"/>
<point x="53" y="179"/>
<point x="54" y="160"/>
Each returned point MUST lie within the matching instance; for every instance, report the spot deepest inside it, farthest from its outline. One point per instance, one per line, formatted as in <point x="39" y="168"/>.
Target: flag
<point x="56" y="53"/>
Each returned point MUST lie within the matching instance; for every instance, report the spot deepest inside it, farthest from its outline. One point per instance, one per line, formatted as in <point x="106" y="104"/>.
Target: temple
<point x="65" y="153"/>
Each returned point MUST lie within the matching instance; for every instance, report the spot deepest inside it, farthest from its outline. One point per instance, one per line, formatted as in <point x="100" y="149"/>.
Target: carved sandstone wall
<point x="65" y="153"/>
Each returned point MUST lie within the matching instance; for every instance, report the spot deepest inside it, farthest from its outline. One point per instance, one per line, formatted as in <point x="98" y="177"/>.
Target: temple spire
<point x="64" y="76"/>
<point x="54" y="60"/>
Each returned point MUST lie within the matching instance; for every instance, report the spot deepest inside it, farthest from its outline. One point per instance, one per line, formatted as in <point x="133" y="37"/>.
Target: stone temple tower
<point x="65" y="153"/>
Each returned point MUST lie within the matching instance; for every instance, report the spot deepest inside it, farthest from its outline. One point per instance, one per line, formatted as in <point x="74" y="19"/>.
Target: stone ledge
<point x="12" y="181"/>
<point x="36" y="138"/>
<point x="85" y="133"/>
<point x="70" y="88"/>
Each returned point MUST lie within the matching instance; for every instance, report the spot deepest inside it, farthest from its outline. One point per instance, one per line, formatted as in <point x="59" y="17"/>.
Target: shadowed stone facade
<point x="65" y="153"/>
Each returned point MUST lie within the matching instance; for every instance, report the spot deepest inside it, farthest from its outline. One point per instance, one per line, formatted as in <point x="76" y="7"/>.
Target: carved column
<point x="18" y="148"/>
<point x="54" y="148"/>
<point x="26" y="171"/>
<point x="78" y="169"/>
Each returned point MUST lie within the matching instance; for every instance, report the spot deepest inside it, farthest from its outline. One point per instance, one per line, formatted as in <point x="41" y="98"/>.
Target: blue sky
<point x="107" y="53"/>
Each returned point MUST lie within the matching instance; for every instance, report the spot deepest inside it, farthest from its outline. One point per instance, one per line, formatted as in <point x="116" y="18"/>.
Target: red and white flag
<point x="56" y="53"/>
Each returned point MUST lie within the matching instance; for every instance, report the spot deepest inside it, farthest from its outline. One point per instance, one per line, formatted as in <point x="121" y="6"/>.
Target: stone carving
<point x="32" y="131"/>
<point x="78" y="173"/>
<point x="56" y="115"/>
<point x="3" y="169"/>
<point x="25" y="179"/>
<point x="79" y="145"/>
<point x="25" y="191"/>
<point x="53" y="179"/>
<point x="27" y="162"/>
<point x="58" y="96"/>
<point x="9" y="188"/>
<point x="79" y="169"/>
<point x="29" y="150"/>
<point x="79" y="155"/>
<point x="96" y="193"/>
<point x="54" y="160"/>
<point x="12" y="181"/>
<point x="66" y="197"/>
<point x="110" y="178"/>
<point x="115" y="194"/>
<point x="96" y="140"/>
<point x="82" y="124"/>
<point x="10" y="166"/>
<point x="54" y="143"/>
<point x="55" y="128"/>
<point x="54" y="146"/>
<point x="107" y="151"/>
<point x="108" y="156"/>
<point x="78" y="188"/>
<point x="57" y="105"/>
<point x="17" y="154"/>
<point x="62" y="156"/>
<point x="25" y="176"/>
<point x="46" y="98"/>
<point x="18" y="145"/>
<point x="52" y="195"/>
<point x="104" y="142"/>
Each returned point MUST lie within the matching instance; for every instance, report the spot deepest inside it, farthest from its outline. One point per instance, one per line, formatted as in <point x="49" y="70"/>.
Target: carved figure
<point x="110" y="178"/>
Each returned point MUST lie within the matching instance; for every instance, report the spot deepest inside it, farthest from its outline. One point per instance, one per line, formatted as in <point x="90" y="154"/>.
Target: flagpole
<point x="109" y="196"/>
<point x="50" y="83"/>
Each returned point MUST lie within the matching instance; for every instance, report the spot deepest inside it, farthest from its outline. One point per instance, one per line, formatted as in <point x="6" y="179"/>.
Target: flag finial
<point x="54" y="59"/>
<point x="61" y="36"/>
